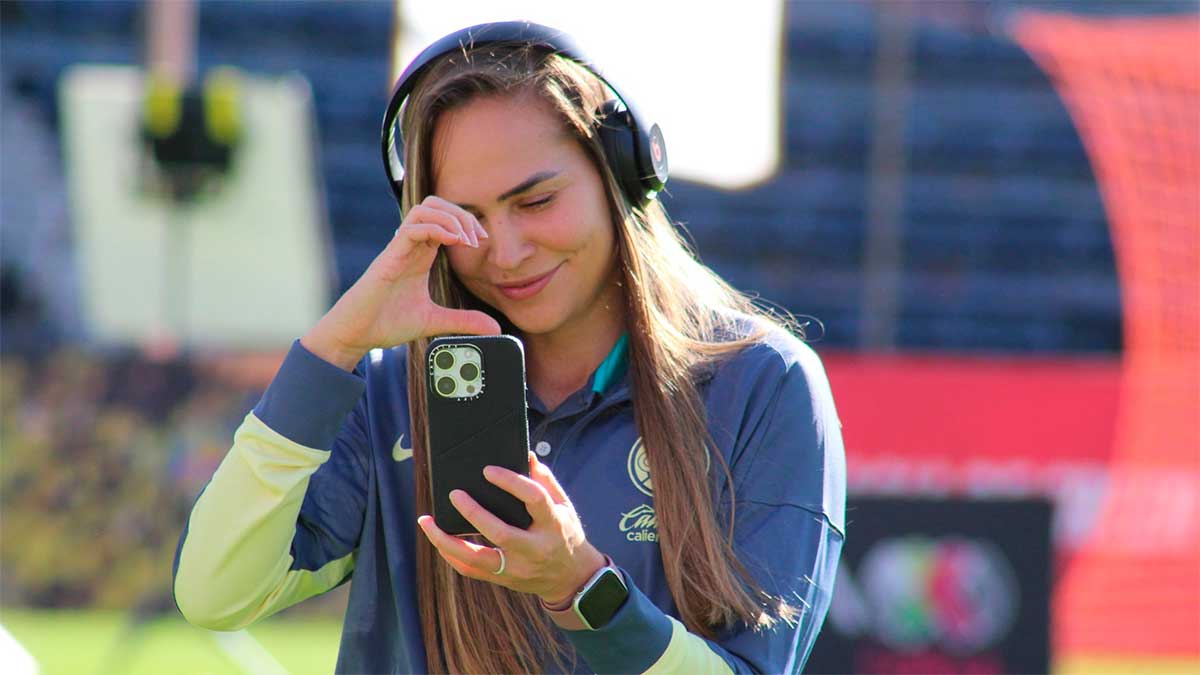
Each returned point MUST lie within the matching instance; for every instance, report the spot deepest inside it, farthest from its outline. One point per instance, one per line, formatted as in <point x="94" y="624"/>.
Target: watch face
<point x="601" y="601"/>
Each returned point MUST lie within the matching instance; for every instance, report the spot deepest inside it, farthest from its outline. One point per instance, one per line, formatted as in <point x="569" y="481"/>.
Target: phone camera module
<point x="457" y="371"/>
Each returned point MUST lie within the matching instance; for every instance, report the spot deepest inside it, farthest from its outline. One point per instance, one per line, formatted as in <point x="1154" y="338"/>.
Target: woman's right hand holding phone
<point x="390" y="302"/>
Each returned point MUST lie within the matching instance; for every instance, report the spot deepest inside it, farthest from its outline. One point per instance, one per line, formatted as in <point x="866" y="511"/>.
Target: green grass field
<point x="76" y="642"/>
<point x="101" y="643"/>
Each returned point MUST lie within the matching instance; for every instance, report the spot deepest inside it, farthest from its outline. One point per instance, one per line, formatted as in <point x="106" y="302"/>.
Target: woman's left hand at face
<point x="551" y="559"/>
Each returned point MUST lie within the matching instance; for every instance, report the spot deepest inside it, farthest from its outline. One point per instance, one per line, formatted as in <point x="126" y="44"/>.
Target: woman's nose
<point x="506" y="247"/>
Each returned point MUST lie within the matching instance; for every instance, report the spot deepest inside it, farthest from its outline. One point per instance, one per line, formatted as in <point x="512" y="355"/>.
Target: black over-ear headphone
<point x="633" y="146"/>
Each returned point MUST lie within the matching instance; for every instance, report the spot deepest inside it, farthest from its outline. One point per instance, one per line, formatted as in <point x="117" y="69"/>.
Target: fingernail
<point x="490" y="472"/>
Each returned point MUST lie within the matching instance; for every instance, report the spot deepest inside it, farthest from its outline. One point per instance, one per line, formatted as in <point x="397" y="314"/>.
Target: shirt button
<point x="542" y="448"/>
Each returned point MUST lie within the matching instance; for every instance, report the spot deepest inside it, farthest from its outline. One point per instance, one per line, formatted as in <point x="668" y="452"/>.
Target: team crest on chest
<point x="640" y="524"/>
<point x="639" y="467"/>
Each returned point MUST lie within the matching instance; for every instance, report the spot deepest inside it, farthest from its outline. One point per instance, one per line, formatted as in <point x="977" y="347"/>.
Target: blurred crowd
<point x="102" y="455"/>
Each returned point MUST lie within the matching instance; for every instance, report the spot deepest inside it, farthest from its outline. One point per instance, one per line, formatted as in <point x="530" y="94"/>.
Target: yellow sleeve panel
<point x="235" y="561"/>
<point x="688" y="654"/>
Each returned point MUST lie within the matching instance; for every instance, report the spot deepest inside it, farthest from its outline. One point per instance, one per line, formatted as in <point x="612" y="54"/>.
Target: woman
<point x="689" y="459"/>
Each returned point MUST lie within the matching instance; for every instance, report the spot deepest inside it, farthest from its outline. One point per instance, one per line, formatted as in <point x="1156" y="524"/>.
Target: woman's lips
<point x="528" y="289"/>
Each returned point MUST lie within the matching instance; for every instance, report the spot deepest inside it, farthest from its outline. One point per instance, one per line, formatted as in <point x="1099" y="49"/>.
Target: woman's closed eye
<point x="538" y="202"/>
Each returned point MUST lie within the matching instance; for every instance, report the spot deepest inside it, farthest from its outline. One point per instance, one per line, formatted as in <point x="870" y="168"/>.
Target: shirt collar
<point x="613" y="367"/>
<point x="606" y="378"/>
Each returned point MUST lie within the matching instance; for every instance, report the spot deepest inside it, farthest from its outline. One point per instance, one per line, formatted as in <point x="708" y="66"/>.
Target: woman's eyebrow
<point x="524" y="185"/>
<point x="528" y="183"/>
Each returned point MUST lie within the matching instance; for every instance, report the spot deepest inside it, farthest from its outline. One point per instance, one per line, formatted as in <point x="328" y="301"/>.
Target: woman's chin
<point x="531" y="322"/>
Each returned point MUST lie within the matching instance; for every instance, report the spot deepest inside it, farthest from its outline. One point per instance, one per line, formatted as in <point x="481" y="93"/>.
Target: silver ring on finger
<point x="503" y="562"/>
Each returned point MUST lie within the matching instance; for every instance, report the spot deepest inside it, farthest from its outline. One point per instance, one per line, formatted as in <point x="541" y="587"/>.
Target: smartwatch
<point x="595" y="603"/>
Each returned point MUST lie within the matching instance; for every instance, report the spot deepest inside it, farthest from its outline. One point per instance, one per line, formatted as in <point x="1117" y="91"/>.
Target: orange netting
<point x="1132" y="86"/>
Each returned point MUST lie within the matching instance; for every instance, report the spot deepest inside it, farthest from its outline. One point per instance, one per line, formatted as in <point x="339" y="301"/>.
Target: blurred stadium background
<point x="991" y="210"/>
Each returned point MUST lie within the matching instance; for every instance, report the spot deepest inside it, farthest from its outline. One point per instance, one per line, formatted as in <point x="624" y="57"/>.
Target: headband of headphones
<point x="633" y="145"/>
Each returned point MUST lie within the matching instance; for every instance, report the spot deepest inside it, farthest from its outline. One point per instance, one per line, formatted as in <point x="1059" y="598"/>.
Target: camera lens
<point x="445" y="386"/>
<point x="469" y="371"/>
<point x="444" y="360"/>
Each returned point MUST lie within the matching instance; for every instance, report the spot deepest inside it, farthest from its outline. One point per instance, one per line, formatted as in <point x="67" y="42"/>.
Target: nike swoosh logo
<point x="399" y="452"/>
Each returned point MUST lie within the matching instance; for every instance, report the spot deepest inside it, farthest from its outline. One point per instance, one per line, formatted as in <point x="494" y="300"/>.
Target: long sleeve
<point x="280" y="518"/>
<point x="788" y="466"/>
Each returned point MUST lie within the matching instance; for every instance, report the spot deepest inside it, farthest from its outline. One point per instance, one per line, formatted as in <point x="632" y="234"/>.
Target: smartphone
<point x="477" y="417"/>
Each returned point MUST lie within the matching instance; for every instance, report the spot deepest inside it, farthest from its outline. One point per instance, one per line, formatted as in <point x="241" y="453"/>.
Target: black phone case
<point x="465" y="435"/>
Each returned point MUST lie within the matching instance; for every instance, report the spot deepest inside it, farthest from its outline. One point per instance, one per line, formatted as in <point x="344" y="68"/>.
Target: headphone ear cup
<point x="616" y="133"/>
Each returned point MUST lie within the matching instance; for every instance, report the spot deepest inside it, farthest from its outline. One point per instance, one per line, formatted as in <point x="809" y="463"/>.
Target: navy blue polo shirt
<point x="318" y="490"/>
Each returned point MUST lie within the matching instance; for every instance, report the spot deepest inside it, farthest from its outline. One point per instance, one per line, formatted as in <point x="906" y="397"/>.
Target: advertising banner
<point x="941" y="586"/>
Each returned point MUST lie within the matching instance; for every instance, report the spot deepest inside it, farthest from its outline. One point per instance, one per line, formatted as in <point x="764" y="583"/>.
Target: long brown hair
<point x="681" y="319"/>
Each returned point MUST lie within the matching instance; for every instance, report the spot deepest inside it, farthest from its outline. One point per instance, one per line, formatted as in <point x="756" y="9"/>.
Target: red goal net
<point x="1132" y="87"/>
